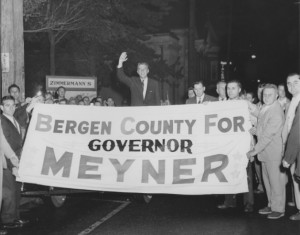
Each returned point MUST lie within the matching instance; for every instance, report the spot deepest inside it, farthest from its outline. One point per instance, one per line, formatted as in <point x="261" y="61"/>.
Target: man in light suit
<point x="200" y="97"/>
<point x="269" y="149"/>
<point x="144" y="90"/>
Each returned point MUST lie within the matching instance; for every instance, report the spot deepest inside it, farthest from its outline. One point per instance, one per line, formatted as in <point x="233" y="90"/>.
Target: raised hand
<point x="122" y="59"/>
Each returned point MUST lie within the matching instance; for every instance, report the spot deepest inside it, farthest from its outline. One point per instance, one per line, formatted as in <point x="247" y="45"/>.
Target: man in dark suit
<point x="292" y="157"/>
<point x="290" y="137"/>
<point x="200" y="97"/>
<point x="221" y="90"/>
<point x="268" y="150"/>
<point x="10" y="214"/>
<point x="144" y="90"/>
<point x="20" y="112"/>
<point x="5" y="153"/>
<point x="292" y="152"/>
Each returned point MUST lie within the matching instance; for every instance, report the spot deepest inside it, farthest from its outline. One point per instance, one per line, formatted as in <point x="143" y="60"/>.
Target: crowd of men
<point x="275" y="141"/>
<point x="59" y="97"/>
<point x="275" y="133"/>
<point x="15" y="119"/>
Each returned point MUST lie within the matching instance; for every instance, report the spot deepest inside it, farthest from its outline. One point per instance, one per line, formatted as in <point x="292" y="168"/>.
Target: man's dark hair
<point x="235" y="81"/>
<point x="191" y="88"/>
<point x="61" y="87"/>
<point x="293" y="74"/>
<point x="7" y="97"/>
<point x="261" y="85"/>
<point x="12" y="86"/>
<point x="271" y="86"/>
<point x="251" y="93"/>
<point x="219" y="82"/>
<point x="199" y="82"/>
<point x="63" y="100"/>
<point x="143" y="63"/>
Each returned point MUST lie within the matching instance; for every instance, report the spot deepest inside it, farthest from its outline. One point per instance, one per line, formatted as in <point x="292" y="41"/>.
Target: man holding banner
<point x="10" y="214"/>
<point x="234" y="88"/>
<point x="269" y="149"/>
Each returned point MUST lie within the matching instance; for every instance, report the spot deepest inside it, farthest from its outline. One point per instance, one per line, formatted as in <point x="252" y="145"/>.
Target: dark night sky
<point x="266" y="28"/>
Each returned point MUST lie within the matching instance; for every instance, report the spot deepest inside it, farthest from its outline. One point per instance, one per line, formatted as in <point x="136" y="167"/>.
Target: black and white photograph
<point x="150" y="117"/>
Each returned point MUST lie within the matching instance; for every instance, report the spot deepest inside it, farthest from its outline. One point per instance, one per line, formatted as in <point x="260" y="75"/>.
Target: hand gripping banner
<point x="179" y="149"/>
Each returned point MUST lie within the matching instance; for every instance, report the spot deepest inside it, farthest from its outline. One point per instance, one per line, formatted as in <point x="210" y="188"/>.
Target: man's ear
<point x="203" y="88"/>
<point x="1" y="107"/>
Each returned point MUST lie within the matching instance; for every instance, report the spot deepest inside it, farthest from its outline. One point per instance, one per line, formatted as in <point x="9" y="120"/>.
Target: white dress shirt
<point x="200" y="99"/>
<point x="145" y="81"/>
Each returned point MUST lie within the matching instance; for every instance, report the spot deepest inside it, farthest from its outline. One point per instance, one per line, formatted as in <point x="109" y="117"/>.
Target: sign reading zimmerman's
<point x="180" y="149"/>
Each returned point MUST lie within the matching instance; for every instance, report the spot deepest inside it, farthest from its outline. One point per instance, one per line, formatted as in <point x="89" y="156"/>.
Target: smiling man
<point x="144" y="90"/>
<point x="269" y="149"/>
<point x="200" y="97"/>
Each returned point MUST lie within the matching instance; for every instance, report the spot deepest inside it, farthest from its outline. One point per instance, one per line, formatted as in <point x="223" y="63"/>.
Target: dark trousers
<point x="249" y="197"/>
<point x="230" y="199"/>
<point x="11" y="197"/>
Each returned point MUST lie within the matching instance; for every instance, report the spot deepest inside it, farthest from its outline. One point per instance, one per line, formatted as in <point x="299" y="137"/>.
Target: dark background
<point x="264" y="28"/>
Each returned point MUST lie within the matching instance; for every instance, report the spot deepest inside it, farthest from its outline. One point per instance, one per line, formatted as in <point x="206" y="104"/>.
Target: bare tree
<point x="56" y="18"/>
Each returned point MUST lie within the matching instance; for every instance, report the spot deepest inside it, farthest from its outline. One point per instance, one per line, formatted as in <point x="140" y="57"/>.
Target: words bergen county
<point x="129" y="126"/>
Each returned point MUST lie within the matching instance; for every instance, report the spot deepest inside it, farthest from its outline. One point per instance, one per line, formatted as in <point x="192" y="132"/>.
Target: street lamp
<point x="223" y="63"/>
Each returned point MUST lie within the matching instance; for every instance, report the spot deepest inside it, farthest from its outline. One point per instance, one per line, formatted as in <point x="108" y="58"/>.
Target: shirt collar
<point x="144" y="80"/>
<point x="11" y="118"/>
<point x="8" y="116"/>
<point x="201" y="97"/>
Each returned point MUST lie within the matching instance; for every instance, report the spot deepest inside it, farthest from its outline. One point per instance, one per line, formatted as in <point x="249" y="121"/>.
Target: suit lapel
<point x="149" y="88"/>
<point x="12" y="127"/>
<point x="267" y="114"/>
<point x="138" y="87"/>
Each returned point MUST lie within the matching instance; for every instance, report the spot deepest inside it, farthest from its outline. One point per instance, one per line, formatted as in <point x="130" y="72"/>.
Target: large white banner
<point x="179" y="149"/>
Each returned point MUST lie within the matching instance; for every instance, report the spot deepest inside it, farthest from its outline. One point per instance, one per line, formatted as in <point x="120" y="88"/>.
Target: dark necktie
<point x="16" y="125"/>
<point x="142" y="81"/>
<point x="199" y="102"/>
